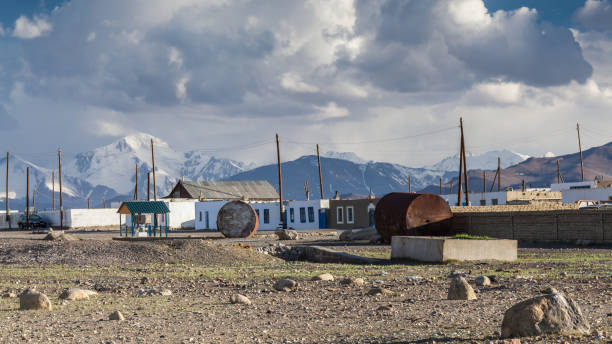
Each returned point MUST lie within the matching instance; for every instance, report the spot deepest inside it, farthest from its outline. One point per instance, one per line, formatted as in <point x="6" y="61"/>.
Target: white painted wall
<point x="213" y="207"/>
<point x="595" y="194"/>
<point x="14" y="218"/>
<point x="475" y="198"/>
<point x="573" y="185"/>
<point x="78" y="218"/>
<point x="296" y="222"/>
<point x="182" y="214"/>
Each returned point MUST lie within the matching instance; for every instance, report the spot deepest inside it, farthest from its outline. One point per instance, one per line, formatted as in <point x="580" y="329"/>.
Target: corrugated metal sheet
<point x="254" y="190"/>
<point x="143" y="207"/>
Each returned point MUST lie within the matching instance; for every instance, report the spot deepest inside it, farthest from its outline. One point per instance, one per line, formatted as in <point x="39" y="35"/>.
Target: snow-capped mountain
<point x="350" y="156"/>
<point x="114" y="165"/>
<point x="486" y="161"/>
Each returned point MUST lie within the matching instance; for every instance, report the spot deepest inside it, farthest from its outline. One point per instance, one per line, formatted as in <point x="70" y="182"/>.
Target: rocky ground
<point x="203" y="272"/>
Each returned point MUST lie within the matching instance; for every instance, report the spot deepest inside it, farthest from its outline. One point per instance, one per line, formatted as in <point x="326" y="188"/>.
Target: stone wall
<point x="547" y="225"/>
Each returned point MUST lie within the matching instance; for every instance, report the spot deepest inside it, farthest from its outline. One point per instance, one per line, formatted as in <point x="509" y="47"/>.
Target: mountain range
<point x="108" y="172"/>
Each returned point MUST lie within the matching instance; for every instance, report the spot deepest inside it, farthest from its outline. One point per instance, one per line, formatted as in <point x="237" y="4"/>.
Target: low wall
<point x="14" y="218"/>
<point x="441" y="249"/>
<point x="555" y="225"/>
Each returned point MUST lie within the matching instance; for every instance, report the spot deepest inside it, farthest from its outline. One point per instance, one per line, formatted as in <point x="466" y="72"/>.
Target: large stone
<point x="32" y="299"/>
<point x="545" y="314"/>
<point x="116" y="315"/>
<point x="74" y="294"/>
<point x="460" y="289"/>
<point x="483" y="281"/>
<point x="369" y="234"/>
<point x="358" y="281"/>
<point x="323" y="277"/>
<point x="285" y="285"/>
<point x="379" y="291"/>
<point x="286" y="234"/>
<point x="241" y="299"/>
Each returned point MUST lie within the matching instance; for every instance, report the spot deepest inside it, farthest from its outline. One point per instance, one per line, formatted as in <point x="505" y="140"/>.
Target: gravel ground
<point x="203" y="274"/>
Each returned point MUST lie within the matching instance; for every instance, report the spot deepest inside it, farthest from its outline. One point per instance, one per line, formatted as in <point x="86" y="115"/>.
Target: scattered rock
<point x="60" y="236"/>
<point x="9" y="295"/>
<point x="460" y="289"/>
<point x="369" y="234"/>
<point x="323" y="277"/>
<point x="31" y="299"/>
<point x="483" y="281"/>
<point x="549" y="290"/>
<point x="353" y="281"/>
<point x="151" y="292"/>
<point x="144" y="280"/>
<point x="241" y="299"/>
<point x="74" y="294"/>
<point x="384" y="308"/>
<point x="116" y="315"/>
<point x="285" y="285"/>
<point x="379" y="291"/>
<point x="286" y="234"/>
<point x="413" y="278"/>
<point x="165" y="292"/>
<point x="545" y="314"/>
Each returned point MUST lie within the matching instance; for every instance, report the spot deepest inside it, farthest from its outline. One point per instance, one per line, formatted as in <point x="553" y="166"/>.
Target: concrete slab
<point x="442" y="249"/>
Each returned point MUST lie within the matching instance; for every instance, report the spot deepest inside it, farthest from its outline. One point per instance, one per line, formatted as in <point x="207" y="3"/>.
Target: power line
<point x="374" y="140"/>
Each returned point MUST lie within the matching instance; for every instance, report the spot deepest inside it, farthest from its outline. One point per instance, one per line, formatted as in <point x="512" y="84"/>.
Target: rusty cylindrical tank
<point x="404" y="213"/>
<point x="237" y="219"/>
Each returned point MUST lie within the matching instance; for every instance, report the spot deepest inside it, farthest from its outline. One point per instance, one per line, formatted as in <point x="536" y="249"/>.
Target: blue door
<point x="322" y="218"/>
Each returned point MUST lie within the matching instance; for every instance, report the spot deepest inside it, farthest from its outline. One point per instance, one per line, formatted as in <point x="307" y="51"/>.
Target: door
<point x="322" y="219"/>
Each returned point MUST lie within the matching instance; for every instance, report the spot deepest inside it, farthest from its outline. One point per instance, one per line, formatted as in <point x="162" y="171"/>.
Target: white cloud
<point x="293" y="82"/>
<point x="28" y="29"/>
<point x="91" y="36"/>
<point x="330" y="111"/>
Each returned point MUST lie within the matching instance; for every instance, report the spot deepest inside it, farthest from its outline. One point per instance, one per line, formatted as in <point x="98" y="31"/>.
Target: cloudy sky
<point x="385" y="79"/>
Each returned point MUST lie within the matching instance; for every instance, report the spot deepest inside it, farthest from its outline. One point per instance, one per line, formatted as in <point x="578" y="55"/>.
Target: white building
<point x="308" y="214"/>
<point x="82" y="218"/>
<point x="599" y="195"/>
<point x="572" y="185"/>
<point x="181" y="215"/>
<point x="528" y="196"/>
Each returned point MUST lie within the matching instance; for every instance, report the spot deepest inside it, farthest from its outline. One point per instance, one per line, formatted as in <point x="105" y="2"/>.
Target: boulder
<point x="285" y="285"/>
<point x="549" y="290"/>
<point x="116" y="315"/>
<point x="353" y="281"/>
<point x="545" y="314"/>
<point x="286" y="234"/>
<point x="74" y="294"/>
<point x="241" y="299"/>
<point x="60" y="236"/>
<point x="31" y="299"/>
<point x="460" y="289"/>
<point x="379" y="291"/>
<point x="323" y="277"/>
<point x="483" y="281"/>
<point x="369" y="234"/>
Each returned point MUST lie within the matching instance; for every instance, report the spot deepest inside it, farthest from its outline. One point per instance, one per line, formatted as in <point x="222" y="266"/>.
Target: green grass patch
<point x="466" y="236"/>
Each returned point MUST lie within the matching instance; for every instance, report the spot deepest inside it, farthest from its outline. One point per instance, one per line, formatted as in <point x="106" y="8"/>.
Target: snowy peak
<point x="485" y="161"/>
<point x="350" y="156"/>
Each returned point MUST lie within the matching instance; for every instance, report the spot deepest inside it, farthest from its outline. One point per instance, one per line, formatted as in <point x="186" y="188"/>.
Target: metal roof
<point x="143" y="207"/>
<point x="254" y="190"/>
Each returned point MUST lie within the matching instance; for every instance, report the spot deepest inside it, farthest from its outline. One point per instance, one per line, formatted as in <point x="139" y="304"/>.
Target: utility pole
<point x="320" y="174"/>
<point x="523" y="185"/>
<point x="34" y="200"/>
<point x="558" y="173"/>
<point x="104" y="204"/>
<point x="465" y="170"/>
<point x="53" y="189"/>
<point x="498" y="174"/>
<point x="136" y="186"/>
<point x="61" y="198"/>
<point x="27" y="209"/>
<point x="153" y="163"/>
<point x="440" y="185"/>
<point x="409" y="185"/>
<point x="484" y="181"/>
<point x="307" y="191"/>
<point x="460" y="170"/>
<point x="8" y="217"/>
<point x="280" y="183"/>
<point x="580" y="149"/>
<point x="450" y="187"/>
<point x="148" y="186"/>
<point x="87" y="202"/>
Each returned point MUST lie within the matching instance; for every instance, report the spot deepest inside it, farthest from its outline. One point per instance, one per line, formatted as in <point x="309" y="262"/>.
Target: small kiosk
<point x="143" y="218"/>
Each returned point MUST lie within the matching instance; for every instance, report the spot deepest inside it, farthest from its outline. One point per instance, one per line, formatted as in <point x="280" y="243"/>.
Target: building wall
<point x="506" y="197"/>
<point x="182" y="214"/>
<point x="82" y="218"/>
<point x="213" y="207"/>
<point x="13" y="216"/>
<point x="572" y="185"/>
<point x="311" y="211"/>
<point x="557" y="225"/>
<point x="595" y="194"/>
<point x="361" y="213"/>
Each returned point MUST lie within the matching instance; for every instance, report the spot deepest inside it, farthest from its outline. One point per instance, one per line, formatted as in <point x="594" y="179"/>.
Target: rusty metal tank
<point x="405" y="213"/>
<point x="237" y="219"/>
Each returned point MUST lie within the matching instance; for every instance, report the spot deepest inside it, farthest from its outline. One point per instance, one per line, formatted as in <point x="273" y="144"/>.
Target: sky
<point x="387" y="79"/>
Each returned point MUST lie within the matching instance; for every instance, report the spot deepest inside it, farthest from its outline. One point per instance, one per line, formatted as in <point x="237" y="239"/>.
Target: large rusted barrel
<point x="404" y="213"/>
<point x="237" y="219"/>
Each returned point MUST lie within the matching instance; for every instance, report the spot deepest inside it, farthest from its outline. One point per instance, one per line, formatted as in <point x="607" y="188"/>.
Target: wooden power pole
<point x="484" y="181"/>
<point x="580" y="150"/>
<point x="320" y="174"/>
<point x="280" y="183"/>
<point x="153" y="163"/>
<point x="148" y="186"/>
<point x="8" y="217"/>
<point x="27" y="209"/>
<point x="53" y="189"/>
<point x="136" y="186"/>
<point x="306" y="190"/>
<point x="558" y="173"/>
<point x="440" y="185"/>
<point x="498" y="174"/>
<point x="460" y="171"/>
<point x="61" y="198"/>
<point x="409" y="184"/>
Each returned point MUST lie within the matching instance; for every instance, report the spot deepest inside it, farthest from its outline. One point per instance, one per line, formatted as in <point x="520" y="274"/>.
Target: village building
<point x="508" y="197"/>
<point x="352" y="213"/>
<point x="255" y="190"/>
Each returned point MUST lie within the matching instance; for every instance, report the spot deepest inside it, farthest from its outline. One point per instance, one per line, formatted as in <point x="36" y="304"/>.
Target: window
<point x="302" y="215"/>
<point x="483" y="202"/>
<point x="258" y="218"/>
<point x="200" y="216"/>
<point x="266" y="215"/>
<point x="494" y="201"/>
<point x="349" y="214"/>
<point x="311" y="214"/>
<point x="292" y="214"/>
<point x="339" y="215"/>
<point x="207" y="221"/>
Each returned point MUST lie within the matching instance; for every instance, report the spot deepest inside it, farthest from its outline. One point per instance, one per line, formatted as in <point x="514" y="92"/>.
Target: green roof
<point x="143" y="207"/>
